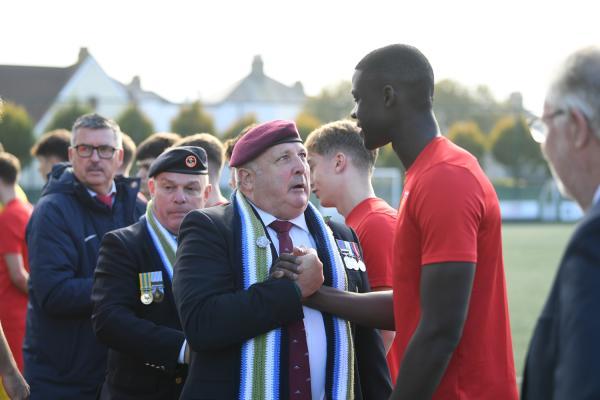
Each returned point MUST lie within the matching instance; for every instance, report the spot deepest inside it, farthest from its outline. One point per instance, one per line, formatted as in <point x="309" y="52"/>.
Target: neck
<point x="414" y="134"/>
<point x="357" y="188"/>
<point x="7" y="194"/>
<point x="215" y="197"/>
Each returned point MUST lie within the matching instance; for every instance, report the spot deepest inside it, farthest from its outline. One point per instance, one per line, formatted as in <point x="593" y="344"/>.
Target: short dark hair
<point x="97" y="121"/>
<point x="53" y="144"/>
<point x="9" y="168"/>
<point x="230" y="143"/>
<point x="155" y="144"/>
<point x="404" y="65"/>
<point x="128" y="151"/>
<point x="345" y="136"/>
<point x="214" y="151"/>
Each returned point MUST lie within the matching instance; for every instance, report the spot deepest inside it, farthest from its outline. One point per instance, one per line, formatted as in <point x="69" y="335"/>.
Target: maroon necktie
<point x="105" y="199"/>
<point x="299" y="367"/>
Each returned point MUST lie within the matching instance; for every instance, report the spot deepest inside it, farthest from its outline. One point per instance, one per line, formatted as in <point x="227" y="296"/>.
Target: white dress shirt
<point x="316" y="339"/>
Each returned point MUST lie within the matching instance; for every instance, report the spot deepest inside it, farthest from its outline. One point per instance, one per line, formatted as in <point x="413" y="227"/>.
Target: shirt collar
<point x="299" y="221"/>
<point x="113" y="189"/>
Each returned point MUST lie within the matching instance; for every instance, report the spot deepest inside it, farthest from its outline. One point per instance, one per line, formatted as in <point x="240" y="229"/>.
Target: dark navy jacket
<point x="563" y="361"/>
<point x="63" y="359"/>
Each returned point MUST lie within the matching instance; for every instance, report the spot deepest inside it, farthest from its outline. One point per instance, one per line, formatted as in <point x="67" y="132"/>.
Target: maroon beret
<point x="260" y="138"/>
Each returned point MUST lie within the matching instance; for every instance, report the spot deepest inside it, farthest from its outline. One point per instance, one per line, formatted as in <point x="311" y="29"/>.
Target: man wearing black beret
<point x="134" y="312"/>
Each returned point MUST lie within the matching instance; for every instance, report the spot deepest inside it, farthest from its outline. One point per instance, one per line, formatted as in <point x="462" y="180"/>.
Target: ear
<point x="207" y="190"/>
<point x="245" y="178"/>
<point x="120" y="156"/>
<point x="581" y="129"/>
<point x="389" y="96"/>
<point x="151" y="187"/>
<point x="340" y="161"/>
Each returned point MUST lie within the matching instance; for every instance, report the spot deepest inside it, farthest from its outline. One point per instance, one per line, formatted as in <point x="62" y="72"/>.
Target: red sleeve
<point x="449" y="208"/>
<point x="377" y="241"/>
<point x="9" y="240"/>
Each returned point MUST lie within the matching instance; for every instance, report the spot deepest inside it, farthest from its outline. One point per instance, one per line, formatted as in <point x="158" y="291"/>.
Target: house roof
<point x="34" y="88"/>
<point x="257" y="87"/>
<point x="138" y="95"/>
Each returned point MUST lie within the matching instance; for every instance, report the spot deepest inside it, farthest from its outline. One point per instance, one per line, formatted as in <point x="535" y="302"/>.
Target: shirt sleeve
<point x="377" y="242"/>
<point x="449" y="208"/>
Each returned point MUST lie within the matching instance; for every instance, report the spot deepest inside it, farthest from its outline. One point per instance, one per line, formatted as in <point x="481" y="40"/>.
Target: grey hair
<point x="577" y="85"/>
<point x="97" y="121"/>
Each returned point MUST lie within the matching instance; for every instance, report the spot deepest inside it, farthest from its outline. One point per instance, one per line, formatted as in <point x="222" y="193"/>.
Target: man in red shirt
<point x="341" y="169"/>
<point x="449" y="298"/>
<point x="13" y="257"/>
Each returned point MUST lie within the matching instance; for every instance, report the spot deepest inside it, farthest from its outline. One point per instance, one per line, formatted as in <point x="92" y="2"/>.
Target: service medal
<point x="362" y="266"/>
<point x="146" y="298"/>
<point x="158" y="293"/>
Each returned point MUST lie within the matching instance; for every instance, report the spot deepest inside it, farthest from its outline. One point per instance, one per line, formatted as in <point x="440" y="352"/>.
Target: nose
<point x="180" y="196"/>
<point x="95" y="155"/>
<point x="301" y="166"/>
<point x="353" y="112"/>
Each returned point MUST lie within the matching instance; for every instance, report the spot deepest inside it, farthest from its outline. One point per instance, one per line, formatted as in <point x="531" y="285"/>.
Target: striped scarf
<point x="261" y="356"/>
<point x="164" y="242"/>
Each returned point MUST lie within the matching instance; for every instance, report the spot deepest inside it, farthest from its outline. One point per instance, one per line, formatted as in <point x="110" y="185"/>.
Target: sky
<point x="184" y="50"/>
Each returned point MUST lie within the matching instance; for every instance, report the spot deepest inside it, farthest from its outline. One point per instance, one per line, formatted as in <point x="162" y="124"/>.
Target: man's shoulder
<point x="133" y="232"/>
<point x="341" y="231"/>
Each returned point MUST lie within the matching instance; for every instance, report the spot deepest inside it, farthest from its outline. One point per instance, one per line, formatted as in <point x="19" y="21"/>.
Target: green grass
<point x="531" y="256"/>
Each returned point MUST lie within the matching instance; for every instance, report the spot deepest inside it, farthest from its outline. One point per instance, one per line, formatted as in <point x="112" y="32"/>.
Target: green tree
<point x="455" y="102"/>
<point x="16" y="132"/>
<point x="135" y="123"/>
<point x="237" y="126"/>
<point x="332" y="103"/>
<point x="306" y="123"/>
<point x="513" y="147"/>
<point x="65" y="117"/>
<point x="192" y="119"/>
<point x="467" y="135"/>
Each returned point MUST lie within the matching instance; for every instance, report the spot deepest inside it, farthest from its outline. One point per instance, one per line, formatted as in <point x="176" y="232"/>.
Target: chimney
<point x="257" y="65"/>
<point x="136" y="83"/>
<point x="83" y="54"/>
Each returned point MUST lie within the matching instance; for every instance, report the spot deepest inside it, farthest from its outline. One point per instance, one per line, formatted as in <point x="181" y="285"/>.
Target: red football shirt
<point x="374" y="221"/>
<point x="13" y="302"/>
<point x="450" y="213"/>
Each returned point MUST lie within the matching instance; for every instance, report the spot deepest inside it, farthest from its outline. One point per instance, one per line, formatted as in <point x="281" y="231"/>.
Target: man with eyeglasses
<point x="80" y="203"/>
<point x="564" y="354"/>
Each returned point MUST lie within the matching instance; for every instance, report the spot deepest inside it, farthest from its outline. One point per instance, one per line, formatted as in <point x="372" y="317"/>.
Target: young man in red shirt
<point x="13" y="257"/>
<point x="449" y="302"/>
<point x="341" y="169"/>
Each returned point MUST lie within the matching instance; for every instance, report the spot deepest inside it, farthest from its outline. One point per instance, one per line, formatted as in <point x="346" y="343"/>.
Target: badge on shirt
<point x="351" y="255"/>
<point x="151" y="287"/>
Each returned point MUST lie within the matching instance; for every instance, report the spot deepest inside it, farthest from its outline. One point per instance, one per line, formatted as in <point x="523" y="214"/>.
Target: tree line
<point x="471" y="118"/>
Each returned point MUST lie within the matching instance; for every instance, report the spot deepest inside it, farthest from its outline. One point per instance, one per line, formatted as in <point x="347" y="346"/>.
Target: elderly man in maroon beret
<point x="251" y="337"/>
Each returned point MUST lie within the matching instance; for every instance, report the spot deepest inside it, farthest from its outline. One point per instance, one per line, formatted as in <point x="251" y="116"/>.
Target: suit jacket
<point x="218" y="316"/>
<point x="563" y="361"/>
<point x="144" y="340"/>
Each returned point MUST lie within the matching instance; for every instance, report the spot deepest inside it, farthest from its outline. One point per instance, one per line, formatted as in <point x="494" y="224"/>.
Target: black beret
<point x="181" y="160"/>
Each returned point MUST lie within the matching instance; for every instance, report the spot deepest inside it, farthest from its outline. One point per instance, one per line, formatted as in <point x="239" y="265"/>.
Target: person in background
<point x="50" y="149"/>
<point x="128" y="154"/>
<point x="79" y="204"/>
<point x="341" y="169"/>
<point x="147" y="151"/>
<point x="215" y="153"/>
<point x="563" y="361"/>
<point x="132" y="284"/>
<point x="228" y="150"/>
<point x="14" y="268"/>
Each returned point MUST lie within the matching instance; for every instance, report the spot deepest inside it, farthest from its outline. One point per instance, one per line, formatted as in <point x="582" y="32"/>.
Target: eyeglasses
<point x="538" y="127"/>
<point x="86" y="150"/>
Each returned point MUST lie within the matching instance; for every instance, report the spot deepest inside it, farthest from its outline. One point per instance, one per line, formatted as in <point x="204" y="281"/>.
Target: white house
<point x="44" y="90"/>
<point x="260" y="95"/>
